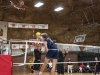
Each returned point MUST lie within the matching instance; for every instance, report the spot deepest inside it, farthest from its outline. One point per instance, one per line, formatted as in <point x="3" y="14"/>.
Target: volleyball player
<point x="52" y="52"/>
<point x="37" y="53"/>
<point x="69" y="65"/>
<point x="32" y="70"/>
<point x="60" y="67"/>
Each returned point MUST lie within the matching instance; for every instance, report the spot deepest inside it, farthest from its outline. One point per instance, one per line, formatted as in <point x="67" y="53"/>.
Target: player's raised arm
<point x="46" y="48"/>
<point x="67" y="50"/>
<point x="4" y="39"/>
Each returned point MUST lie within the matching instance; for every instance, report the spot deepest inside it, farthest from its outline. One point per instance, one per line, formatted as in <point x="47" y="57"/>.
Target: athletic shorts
<point x="52" y="54"/>
<point x="60" y="68"/>
<point x="37" y="66"/>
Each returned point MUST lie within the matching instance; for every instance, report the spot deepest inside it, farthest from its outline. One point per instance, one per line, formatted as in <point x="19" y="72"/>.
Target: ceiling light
<point x="39" y="4"/>
<point x="59" y="9"/>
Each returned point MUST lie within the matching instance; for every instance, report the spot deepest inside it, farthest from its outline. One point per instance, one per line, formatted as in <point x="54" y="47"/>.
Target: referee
<point x="60" y="67"/>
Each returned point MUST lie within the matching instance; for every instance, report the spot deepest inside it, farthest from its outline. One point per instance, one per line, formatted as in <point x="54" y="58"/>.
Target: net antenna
<point x="79" y="38"/>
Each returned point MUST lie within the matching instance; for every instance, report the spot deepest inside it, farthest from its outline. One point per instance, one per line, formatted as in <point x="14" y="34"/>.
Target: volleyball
<point x="38" y="34"/>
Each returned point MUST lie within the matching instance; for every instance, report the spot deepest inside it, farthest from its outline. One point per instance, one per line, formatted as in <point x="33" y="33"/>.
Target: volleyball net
<point x="25" y="49"/>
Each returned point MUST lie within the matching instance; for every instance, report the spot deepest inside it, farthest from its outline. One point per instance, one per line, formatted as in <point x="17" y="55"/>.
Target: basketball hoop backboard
<point x="79" y="38"/>
<point x="19" y="5"/>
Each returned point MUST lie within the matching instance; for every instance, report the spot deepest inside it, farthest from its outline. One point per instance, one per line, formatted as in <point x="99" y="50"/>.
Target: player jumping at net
<point x="52" y="52"/>
<point x="37" y="53"/>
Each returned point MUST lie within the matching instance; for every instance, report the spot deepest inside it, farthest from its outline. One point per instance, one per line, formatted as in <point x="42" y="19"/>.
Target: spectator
<point x="87" y="66"/>
<point x="97" y="66"/>
<point x="69" y="65"/>
<point x="81" y="68"/>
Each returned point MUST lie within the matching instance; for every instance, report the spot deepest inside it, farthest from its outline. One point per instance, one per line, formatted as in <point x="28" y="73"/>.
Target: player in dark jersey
<point x="52" y="52"/>
<point x="37" y="53"/>
<point x="60" y="67"/>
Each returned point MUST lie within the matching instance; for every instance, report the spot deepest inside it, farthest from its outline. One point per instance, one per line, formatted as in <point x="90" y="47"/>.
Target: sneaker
<point x="39" y="74"/>
<point x="30" y="73"/>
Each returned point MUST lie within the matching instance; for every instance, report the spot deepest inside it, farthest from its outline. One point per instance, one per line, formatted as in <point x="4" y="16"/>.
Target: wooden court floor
<point x="46" y="73"/>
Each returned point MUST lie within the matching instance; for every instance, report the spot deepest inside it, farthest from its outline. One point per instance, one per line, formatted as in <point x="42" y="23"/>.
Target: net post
<point x="1" y="47"/>
<point x="10" y="47"/>
<point x="25" y="56"/>
<point x="25" y="53"/>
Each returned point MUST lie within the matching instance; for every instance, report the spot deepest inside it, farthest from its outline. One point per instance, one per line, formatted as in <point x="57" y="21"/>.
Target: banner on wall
<point x="13" y="25"/>
<point x="5" y="46"/>
<point x="34" y="26"/>
<point x="23" y="46"/>
<point x="15" y="46"/>
<point x="43" y="26"/>
<point x="3" y="29"/>
<point x="22" y="25"/>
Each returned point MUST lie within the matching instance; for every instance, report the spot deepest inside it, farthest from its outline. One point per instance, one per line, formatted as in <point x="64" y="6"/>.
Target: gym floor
<point x="46" y="73"/>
